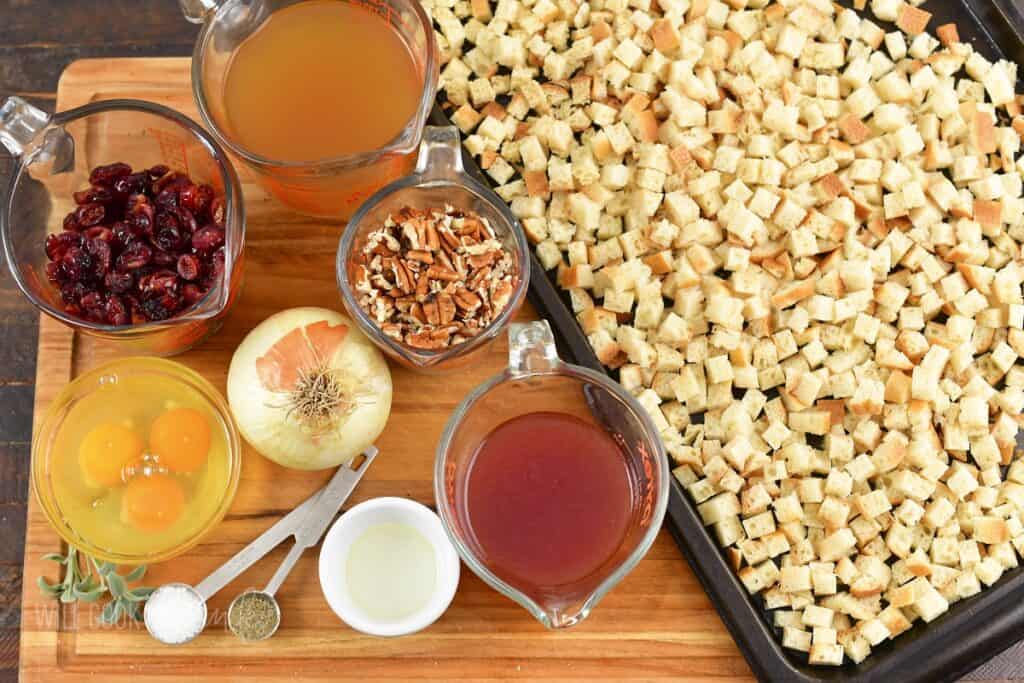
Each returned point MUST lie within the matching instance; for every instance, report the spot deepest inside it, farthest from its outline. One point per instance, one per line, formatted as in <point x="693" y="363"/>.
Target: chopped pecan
<point x="445" y="308"/>
<point x="433" y="241"/>
<point x="466" y="300"/>
<point x="430" y="309"/>
<point x="416" y="311"/>
<point x="501" y="294"/>
<point x="402" y="277"/>
<point x="480" y="260"/>
<point x="420" y="255"/>
<point x="478" y="277"/>
<point x="441" y="273"/>
<point x="424" y="340"/>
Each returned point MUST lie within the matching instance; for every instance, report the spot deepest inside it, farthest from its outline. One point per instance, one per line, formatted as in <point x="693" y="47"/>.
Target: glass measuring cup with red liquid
<point x="551" y="481"/>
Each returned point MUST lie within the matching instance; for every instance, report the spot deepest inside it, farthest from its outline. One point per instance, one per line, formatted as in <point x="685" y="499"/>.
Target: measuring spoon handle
<point x="286" y="567"/>
<point x="320" y="514"/>
<point x="248" y="555"/>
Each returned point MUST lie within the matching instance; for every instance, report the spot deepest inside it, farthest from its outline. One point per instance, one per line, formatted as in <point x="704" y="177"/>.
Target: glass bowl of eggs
<point x="136" y="460"/>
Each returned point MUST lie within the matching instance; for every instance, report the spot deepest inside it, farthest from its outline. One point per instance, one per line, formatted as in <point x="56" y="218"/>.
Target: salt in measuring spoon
<point x="176" y="613"/>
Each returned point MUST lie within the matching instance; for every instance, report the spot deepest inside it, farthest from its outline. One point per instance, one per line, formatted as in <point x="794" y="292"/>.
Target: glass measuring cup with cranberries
<point x="122" y="219"/>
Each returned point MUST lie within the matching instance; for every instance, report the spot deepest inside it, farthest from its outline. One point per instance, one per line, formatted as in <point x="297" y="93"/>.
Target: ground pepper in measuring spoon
<point x="253" y="615"/>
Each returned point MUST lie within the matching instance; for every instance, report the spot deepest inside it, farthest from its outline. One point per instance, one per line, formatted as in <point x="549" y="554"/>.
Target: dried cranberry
<point x="142" y="222"/>
<point x="99" y="195"/>
<point x="71" y="222"/>
<point x="163" y="259"/>
<point x="138" y="316"/>
<point x="167" y="199"/>
<point x="119" y="281"/>
<point x="106" y="175"/>
<point x="52" y="271"/>
<point x="139" y="203"/>
<point x="218" y="211"/>
<point x="91" y="300"/>
<point x="90" y="214"/>
<point x="167" y="232"/>
<point x="58" y="243"/>
<point x="158" y="171"/>
<point x="207" y="238"/>
<point x="100" y="252"/>
<point x="71" y="292"/>
<point x="171" y="181"/>
<point x="187" y="221"/>
<point x="117" y="311"/>
<point x="124" y="234"/>
<point x="216" y="267"/>
<point x="100" y="233"/>
<point x="160" y="307"/>
<point x="191" y="293"/>
<point x="135" y="183"/>
<point x="196" y="198"/>
<point x="159" y="283"/>
<point x="76" y="264"/>
<point x="188" y="267"/>
<point x="135" y="256"/>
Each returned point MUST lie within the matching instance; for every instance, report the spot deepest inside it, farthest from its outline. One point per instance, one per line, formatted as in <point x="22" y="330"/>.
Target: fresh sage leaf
<point x="108" y="616"/>
<point x="53" y="590"/>
<point x="88" y="579"/>
<point x="89" y="596"/>
<point x="138" y="595"/>
<point x="117" y="585"/>
<point x="136" y="574"/>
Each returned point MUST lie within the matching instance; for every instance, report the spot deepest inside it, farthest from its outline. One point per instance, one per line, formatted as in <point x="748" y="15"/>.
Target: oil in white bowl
<point x="391" y="572"/>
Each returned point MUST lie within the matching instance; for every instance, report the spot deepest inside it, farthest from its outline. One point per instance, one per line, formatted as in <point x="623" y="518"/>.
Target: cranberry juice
<point x="548" y="499"/>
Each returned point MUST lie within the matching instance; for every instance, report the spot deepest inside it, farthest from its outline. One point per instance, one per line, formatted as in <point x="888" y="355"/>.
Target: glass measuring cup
<point x="331" y="188"/>
<point x="439" y="180"/>
<point x="537" y="380"/>
<point x="54" y="156"/>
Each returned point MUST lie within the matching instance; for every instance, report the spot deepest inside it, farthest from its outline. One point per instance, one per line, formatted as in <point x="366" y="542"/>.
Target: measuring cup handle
<point x="196" y="11"/>
<point x="531" y="348"/>
<point x="440" y="153"/>
<point x="20" y="124"/>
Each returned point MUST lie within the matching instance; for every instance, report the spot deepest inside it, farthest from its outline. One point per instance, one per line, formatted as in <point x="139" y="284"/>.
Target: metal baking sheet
<point x="974" y="630"/>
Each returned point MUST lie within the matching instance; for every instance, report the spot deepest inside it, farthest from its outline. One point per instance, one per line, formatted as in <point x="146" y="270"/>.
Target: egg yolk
<point x="152" y="503"/>
<point x="106" y="451"/>
<point x="180" y="439"/>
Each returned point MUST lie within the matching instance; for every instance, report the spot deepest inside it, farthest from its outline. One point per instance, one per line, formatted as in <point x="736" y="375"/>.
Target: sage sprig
<point x="87" y="579"/>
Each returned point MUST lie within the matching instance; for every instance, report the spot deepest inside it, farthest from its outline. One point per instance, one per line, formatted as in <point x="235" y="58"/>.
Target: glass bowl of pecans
<point x="433" y="266"/>
<point x="124" y="220"/>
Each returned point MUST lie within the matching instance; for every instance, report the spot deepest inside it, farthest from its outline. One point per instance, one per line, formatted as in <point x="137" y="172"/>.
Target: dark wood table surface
<point x="38" y="39"/>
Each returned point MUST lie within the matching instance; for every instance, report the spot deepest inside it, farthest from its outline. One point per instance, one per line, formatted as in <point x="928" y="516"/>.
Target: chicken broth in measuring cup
<point x="324" y="100"/>
<point x="320" y="79"/>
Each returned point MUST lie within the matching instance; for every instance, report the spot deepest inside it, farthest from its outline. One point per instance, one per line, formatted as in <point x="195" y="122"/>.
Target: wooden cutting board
<point x="657" y="624"/>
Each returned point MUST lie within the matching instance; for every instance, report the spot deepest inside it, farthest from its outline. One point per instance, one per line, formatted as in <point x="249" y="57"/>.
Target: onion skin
<point x="267" y="418"/>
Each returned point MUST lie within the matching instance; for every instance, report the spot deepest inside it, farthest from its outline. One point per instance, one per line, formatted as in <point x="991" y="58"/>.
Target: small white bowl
<point x="348" y="527"/>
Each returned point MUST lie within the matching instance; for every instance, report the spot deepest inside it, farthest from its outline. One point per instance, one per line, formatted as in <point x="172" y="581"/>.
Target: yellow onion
<point x="308" y="390"/>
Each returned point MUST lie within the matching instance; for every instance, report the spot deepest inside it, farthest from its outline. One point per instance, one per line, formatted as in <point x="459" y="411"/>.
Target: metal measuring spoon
<point x="193" y="598"/>
<point x="308" y="534"/>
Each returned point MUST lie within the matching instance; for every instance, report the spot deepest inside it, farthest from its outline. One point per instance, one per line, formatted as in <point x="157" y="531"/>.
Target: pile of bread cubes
<point x="796" y="235"/>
